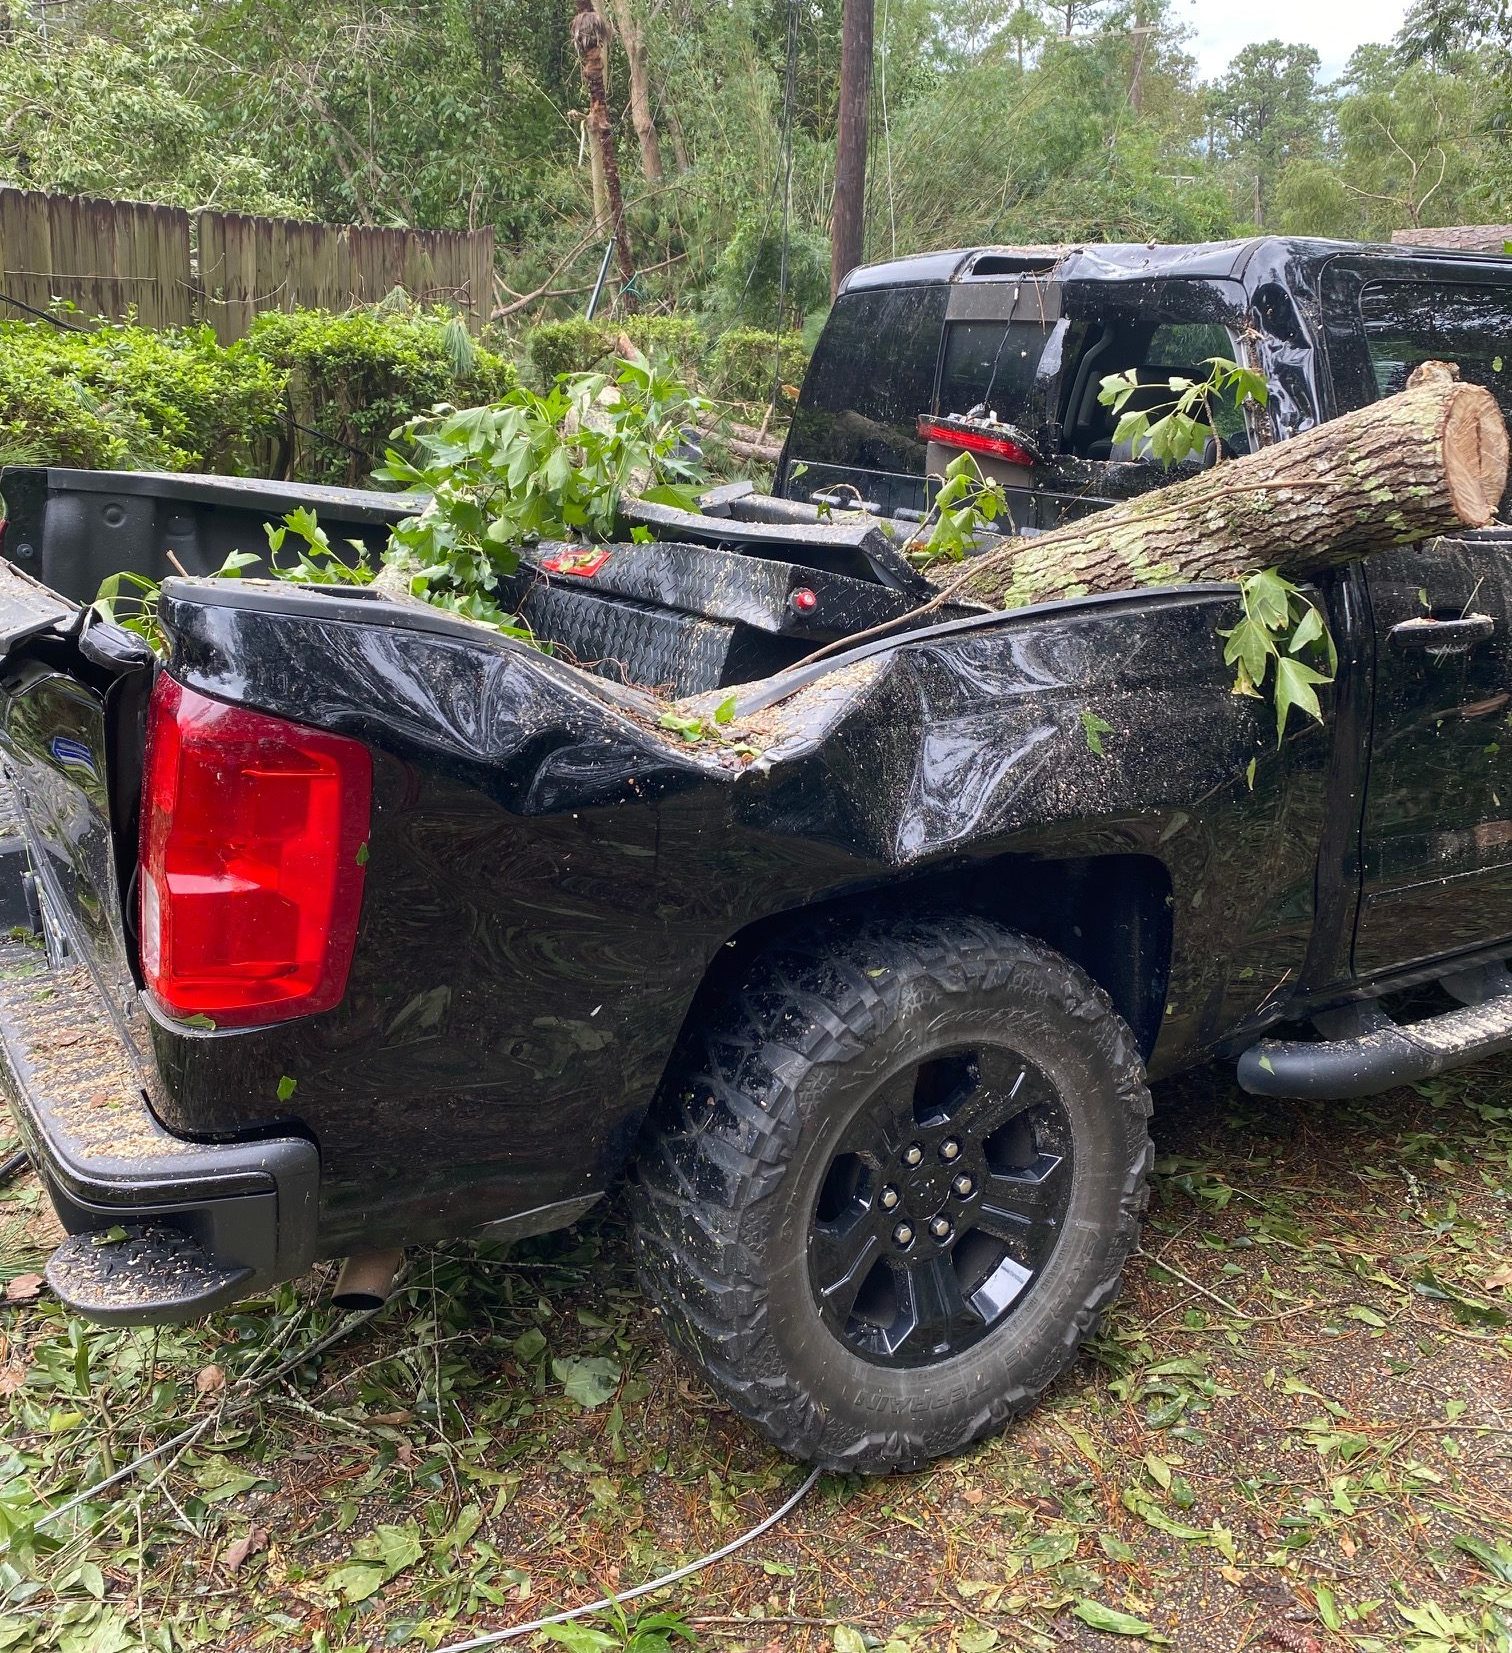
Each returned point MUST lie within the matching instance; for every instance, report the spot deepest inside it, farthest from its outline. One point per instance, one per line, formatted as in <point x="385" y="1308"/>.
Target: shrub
<point x="747" y="363"/>
<point x="747" y="280"/>
<point x="677" y="338"/>
<point x="579" y="346"/>
<point x="354" y="378"/>
<point x="573" y="346"/>
<point x="123" y="396"/>
<point x="307" y="395"/>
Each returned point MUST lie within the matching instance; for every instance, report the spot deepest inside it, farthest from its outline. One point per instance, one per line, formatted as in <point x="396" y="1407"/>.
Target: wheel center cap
<point x="928" y="1188"/>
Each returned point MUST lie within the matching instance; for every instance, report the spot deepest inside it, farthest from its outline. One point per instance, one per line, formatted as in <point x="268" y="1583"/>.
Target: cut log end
<point x="1475" y="454"/>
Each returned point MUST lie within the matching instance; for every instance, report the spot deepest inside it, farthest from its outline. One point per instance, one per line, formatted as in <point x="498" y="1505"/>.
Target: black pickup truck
<point x="352" y="925"/>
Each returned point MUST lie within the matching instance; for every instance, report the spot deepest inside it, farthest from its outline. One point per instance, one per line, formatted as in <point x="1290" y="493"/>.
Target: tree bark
<point x="589" y="35"/>
<point x="849" y="220"/>
<point x="679" y="141"/>
<point x="633" y="39"/>
<point x="1426" y="461"/>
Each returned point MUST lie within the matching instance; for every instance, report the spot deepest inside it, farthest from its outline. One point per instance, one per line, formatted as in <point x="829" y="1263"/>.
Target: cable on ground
<point x="493" y="1637"/>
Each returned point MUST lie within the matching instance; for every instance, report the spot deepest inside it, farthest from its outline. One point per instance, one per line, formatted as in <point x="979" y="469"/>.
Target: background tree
<point x="988" y="122"/>
<point x="1267" y="113"/>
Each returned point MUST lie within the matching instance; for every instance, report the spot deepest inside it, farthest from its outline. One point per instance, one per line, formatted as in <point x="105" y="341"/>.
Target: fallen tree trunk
<point x="1426" y="461"/>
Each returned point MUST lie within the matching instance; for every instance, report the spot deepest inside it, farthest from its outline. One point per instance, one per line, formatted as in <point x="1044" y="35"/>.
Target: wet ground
<point x="1295" y="1433"/>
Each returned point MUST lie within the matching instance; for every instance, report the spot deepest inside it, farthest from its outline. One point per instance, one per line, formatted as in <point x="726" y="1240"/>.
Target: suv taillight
<point x="251" y="860"/>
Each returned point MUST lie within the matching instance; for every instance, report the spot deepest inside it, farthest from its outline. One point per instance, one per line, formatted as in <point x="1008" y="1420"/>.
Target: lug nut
<point x="889" y="1197"/>
<point x="903" y="1235"/>
<point x="940" y="1228"/>
<point x="912" y="1154"/>
<point x="950" y="1149"/>
<point x="963" y="1187"/>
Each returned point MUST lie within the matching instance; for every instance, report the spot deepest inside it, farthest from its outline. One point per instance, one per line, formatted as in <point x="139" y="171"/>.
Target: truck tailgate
<point x="26" y="606"/>
<point x="70" y="733"/>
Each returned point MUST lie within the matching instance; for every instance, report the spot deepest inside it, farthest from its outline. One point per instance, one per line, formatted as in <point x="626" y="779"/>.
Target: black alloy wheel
<point x="942" y="1206"/>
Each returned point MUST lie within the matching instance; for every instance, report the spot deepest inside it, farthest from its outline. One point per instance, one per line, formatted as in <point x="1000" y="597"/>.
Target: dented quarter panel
<point x="551" y="875"/>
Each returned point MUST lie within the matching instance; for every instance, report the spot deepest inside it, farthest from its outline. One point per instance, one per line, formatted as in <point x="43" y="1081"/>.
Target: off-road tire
<point x="729" y="1169"/>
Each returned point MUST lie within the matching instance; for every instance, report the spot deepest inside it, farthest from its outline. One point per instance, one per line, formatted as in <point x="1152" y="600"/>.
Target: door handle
<point x="1442" y="636"/>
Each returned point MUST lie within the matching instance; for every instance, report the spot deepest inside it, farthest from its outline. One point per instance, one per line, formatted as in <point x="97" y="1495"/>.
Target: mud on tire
<point x="890" y="1185"/>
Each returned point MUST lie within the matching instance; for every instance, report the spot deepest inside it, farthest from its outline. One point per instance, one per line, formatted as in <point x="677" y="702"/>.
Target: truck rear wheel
<point x="890" y="1186"/>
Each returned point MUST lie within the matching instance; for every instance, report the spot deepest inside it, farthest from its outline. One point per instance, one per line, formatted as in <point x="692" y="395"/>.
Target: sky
<point x="1334" y="27"/>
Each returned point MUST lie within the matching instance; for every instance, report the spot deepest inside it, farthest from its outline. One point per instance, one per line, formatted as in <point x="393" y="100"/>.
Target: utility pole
<point x="849" y="217"/>
<point x="1140" y="34"/>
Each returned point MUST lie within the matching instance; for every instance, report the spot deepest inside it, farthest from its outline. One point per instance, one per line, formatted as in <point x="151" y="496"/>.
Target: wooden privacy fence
<point x="172" y="267"/>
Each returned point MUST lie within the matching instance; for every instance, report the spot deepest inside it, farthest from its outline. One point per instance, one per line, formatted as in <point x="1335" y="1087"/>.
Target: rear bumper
<point x="72" y="1083"/>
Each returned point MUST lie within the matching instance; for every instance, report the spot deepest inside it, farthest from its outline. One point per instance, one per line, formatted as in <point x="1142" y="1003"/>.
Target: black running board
<point x="1379" y="1057"/>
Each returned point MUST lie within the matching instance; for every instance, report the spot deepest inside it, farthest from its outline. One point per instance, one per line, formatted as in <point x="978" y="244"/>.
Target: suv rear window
<point x="1407" y="322"/>
<point x="872" y="375"/>
<point x="992" y="362"/>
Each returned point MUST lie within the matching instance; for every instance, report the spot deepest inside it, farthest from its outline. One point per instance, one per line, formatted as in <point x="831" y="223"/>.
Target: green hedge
<point x="353" y="377"/>
<point x="578" y="346"/>
<point x="310" y="396"/>
<point x="747" y="363"/>
<point x="122" y="397"/>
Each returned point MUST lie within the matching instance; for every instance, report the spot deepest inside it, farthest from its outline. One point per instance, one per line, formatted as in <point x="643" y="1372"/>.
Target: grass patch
<point x="1293" y="1434"/>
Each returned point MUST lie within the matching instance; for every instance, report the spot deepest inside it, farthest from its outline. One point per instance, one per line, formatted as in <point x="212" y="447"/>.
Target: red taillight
<point x="252" y="851"/>
<point x="961" y="435"/>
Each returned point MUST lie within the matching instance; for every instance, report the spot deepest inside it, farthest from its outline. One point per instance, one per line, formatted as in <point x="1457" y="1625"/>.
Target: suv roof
<point x="1126" y="261"/>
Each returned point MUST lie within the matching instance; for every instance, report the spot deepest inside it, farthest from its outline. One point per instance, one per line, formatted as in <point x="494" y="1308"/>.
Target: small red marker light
<point x="804" y="600"/>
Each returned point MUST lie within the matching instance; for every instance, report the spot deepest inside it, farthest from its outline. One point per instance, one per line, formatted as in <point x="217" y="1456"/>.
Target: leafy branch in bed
<point x="492" y="480"/>
<point x="131" y="600"/>
<point x="966" y="506"/>
<point x="534" y="466"/>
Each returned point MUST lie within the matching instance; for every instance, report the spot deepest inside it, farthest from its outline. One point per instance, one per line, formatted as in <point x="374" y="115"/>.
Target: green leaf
<point x="397" y="1547"/>
<point x="1132" y="429"/>
<point x="1496" y="1559"/>
<point x="1111" y="1620"/>
<point x="1116" y="389"/>
<point x="1160" y="1470"/>
<point x="1328" y="1609"/>
<point x="1248" y="646"/>
<point x="1094" y="728"/>
<point x="690" y="728"/>
<point x="847" y="1640"/>
<point x="462" y="1530"/>
<point x="1308" y="630"/>
<point x="590" y="1380"/>
<point x="113" y="1235"/>
<point x="581" y="1638"/>
<point x="1294" y="687"/>
<point x="357" y="1580"/>
<point x="724" y="712"/>
<point x="286" y="1087"/>
<point x="1267" y="596"/>
<point x="530" y="1345"/>
<point x="375" y="1559"/>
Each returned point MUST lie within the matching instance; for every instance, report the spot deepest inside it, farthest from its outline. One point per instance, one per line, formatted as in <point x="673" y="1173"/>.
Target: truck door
<point x="1436" y="837"/>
